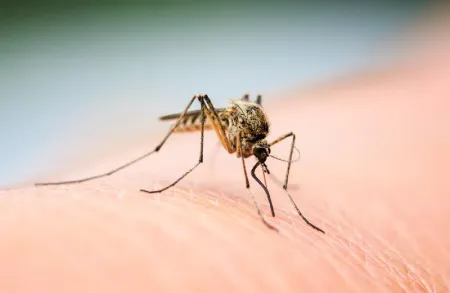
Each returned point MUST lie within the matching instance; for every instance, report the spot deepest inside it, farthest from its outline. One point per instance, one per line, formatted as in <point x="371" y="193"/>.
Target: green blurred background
<point x="76" y="75"/>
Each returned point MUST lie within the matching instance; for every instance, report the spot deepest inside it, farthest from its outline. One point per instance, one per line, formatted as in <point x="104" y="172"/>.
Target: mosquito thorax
<point x="251" y="118"/>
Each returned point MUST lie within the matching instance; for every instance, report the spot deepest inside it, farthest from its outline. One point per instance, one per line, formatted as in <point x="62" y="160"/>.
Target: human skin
<point x="373" y="174"/>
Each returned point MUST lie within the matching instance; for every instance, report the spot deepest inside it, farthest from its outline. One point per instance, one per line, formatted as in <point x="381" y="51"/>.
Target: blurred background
<point x="76" y="77"/>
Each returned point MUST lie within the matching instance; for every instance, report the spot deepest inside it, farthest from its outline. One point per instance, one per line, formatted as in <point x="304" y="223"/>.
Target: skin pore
<point x="373" y="174"/>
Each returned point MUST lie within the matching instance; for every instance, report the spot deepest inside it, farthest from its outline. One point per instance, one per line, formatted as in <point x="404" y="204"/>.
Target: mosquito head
<point x="261" y="150"/>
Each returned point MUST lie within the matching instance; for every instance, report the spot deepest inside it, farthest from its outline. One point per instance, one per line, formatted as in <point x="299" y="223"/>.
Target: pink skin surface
<point x="373" y="174"/>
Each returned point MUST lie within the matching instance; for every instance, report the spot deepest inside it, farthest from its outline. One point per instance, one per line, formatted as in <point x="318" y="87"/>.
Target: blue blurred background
<point x="76" y="75"/>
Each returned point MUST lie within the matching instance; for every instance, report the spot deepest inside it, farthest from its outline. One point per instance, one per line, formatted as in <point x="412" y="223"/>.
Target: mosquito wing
<point x="190" y="115"/>
<point x="190" y="121"/>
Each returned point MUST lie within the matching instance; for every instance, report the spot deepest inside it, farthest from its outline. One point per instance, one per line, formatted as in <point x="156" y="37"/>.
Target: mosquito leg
<point x="207" y="111"/>
<point x="200" y="159"/>
<point x="285" y="185"/>
<point x="290" y="154"/>
<point x="239" y="154"/>
<point x="158" y="147"/>
<point x="217" y="125"/>
<point x="258" y="99"/>
<point x="96" y="176"/>
<point x="210" y="112"/>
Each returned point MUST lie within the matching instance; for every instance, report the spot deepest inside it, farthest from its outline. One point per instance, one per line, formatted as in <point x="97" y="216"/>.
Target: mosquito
<point x="241" y="128"/>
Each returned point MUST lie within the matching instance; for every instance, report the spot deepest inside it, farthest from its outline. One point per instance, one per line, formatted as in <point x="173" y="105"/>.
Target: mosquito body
<point x="241" y="128"/>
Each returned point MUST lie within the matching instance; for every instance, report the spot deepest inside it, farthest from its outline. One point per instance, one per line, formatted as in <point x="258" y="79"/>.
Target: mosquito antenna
<point x="287" y="161"/>
<point x="262" y="185"/>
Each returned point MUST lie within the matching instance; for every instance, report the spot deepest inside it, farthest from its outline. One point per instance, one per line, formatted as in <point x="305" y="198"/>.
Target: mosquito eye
<point x="261" y="154"/>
